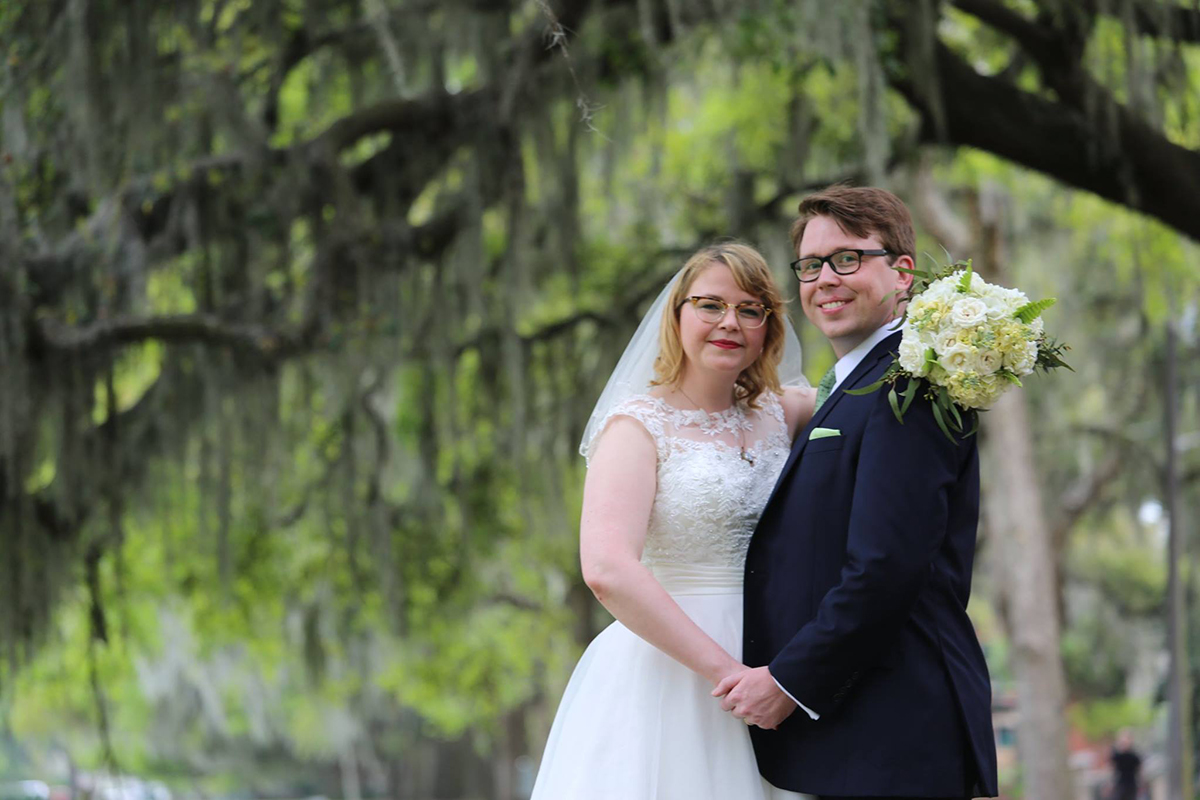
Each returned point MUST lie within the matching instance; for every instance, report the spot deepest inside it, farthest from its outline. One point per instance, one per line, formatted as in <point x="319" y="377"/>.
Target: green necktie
<point x="825" y="388"/>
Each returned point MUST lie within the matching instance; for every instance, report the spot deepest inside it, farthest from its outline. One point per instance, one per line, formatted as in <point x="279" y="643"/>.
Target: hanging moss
<point x="387" y="259"/>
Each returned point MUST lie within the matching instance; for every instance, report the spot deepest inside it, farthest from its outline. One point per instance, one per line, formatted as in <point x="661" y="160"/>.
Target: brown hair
<point x="860" y="211"/>
<point x="752" y="276"/>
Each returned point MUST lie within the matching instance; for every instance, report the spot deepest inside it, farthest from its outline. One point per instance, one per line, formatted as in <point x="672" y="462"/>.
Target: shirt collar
<point x="846" y="364"/>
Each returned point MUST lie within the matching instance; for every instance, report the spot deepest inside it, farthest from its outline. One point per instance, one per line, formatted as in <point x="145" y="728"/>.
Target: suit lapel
<point x="864" y="368"/>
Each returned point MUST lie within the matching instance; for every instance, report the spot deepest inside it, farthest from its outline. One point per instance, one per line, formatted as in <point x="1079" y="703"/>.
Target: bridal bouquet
<point x="968" y="342"/>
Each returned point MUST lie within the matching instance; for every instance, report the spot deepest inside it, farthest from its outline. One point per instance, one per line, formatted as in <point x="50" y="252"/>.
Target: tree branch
<point x="546" y="333"/>
<point x="1081" y="496"/>
<point x="1126" y="162"/>
<point x="202" y="328"/>
<point x="438" y="111"/>
<point x="1035" y="39"/>
<point x="1163" y="21"/>
<point x="435" y="125"/>
<point x="565" y="325"/>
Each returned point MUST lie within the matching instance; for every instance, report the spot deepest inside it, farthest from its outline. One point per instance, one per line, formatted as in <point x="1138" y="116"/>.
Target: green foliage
<point x="379" y="531"/>
<point x="1050" y="356"/>
<point x="1102" y="719"/>
<point x="1129" y="574"/>
<point x="1095" y="658"/>
<point x="1031" y="311"/>
<point x="964" y="286"/>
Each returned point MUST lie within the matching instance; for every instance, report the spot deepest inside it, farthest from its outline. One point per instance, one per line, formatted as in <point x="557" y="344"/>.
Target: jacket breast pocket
<point x="826" y="445"/>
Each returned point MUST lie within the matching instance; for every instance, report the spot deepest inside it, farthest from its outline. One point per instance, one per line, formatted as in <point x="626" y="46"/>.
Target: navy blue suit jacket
<point x="857" y="581"/>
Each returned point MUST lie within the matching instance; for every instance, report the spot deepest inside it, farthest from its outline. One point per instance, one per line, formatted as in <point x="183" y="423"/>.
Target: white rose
<point x="940" y="290"/>
<point x="912" y="355"/>
<point x="957" y="358"/>
<point x="997" y="308"/>
<point x="991" y="291"/>
<point x="968" y="311"/>
<point x="988" y="362"/>
<point x="948" y="339"/>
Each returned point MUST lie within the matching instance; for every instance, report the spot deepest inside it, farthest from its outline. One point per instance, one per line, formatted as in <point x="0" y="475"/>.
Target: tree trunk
<point x="1027" y="583"/>
<point x="1179" y="749"/>
<point x="1018" y="526"/>
<point x="348" y="763"/>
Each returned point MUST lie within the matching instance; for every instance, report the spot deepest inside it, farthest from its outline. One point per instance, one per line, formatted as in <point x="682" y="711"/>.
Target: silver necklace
<point x="741" y="430"/>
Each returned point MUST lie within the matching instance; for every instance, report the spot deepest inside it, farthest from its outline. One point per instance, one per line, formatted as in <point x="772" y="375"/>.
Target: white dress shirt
<point x="846" y="364"/>
<point x="841" y="370"/>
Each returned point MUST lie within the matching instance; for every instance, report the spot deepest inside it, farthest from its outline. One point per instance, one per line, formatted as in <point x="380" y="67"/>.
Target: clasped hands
<point x="752" y="695"/>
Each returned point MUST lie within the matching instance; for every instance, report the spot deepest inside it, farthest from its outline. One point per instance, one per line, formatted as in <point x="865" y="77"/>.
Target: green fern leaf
<point x="964" y="283"/>
<point x="1031" y="311"/>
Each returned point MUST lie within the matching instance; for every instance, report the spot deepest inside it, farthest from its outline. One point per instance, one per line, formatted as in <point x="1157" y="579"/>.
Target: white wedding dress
<point x="634" y="724"/>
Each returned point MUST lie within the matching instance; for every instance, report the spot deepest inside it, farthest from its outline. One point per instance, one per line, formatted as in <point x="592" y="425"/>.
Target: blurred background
<point x="304" y="305"/>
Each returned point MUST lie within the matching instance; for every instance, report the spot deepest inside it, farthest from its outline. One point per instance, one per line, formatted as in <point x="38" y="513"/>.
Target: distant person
<point x="1127" y="768"/>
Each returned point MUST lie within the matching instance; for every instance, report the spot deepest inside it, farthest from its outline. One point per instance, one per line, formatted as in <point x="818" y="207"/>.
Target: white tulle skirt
<point x="634" y="724"/>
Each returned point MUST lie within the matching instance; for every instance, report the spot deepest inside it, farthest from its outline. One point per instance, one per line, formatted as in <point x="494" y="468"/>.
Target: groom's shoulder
<point x="883" y="353"/>
<point x="919" y="427"/>
<point x="876" y="363"/>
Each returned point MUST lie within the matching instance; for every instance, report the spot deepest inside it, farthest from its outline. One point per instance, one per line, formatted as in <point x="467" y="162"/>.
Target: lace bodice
<point x="709" y="498"/>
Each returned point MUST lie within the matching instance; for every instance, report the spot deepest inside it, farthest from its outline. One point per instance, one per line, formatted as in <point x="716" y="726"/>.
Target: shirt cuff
<point x="812" y="714"/>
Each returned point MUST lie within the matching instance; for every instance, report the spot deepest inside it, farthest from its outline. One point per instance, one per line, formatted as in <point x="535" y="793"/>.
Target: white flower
<point x="988" y="362"/>
<point x="1022" y="361"/>
<point x="971" y="390"/>
<point x="969" y="311"/>
<point x="948" y="339"/>
<point x="990" y="389"/>
<point x="942" y="290"/>
<point x="1016" y="297"/>
<point x="956" y="359"/>
<point x="998" y="308"/>
<point x="916" y="306"/>
<point x="912" y="355"/>
<point x="973" y="334"/>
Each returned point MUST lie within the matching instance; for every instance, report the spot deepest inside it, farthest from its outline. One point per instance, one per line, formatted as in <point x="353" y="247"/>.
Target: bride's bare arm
<point x="617" y="497"/>
<point x="798" y="404"/>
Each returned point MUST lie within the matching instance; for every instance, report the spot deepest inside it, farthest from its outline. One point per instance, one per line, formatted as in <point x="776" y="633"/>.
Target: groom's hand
<point x="753" y="696"/>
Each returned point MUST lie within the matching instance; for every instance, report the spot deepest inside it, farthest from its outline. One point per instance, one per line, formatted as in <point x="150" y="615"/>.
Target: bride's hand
<point x="729" y="680"/>
<point x="731" y="670"/>
<point x="753" y="697"/>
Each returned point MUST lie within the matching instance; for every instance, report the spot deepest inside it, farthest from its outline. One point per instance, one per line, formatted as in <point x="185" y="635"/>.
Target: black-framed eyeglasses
<point x="710" y="309"/>
<point x="843" y="262"/>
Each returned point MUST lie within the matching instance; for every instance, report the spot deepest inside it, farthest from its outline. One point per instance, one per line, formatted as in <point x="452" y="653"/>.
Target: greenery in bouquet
<point x="965" y="343"/>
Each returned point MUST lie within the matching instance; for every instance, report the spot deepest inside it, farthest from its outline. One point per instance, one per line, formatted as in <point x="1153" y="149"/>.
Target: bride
<point x="683" y="450"/>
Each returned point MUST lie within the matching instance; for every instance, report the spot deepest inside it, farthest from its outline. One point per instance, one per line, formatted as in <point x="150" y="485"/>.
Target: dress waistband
<point x="698" y="578"/>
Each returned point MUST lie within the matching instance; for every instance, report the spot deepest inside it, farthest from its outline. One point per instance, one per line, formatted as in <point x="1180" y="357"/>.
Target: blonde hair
<point x="752" y="276"/>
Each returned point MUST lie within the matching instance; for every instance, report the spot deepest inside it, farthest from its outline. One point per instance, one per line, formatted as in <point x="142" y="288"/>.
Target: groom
<point x="859" y="572"/>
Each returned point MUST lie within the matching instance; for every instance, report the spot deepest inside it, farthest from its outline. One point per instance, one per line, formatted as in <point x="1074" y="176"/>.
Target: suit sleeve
<point x="898" y="521"/>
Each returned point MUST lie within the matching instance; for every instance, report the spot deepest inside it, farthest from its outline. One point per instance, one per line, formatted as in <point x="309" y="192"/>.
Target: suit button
<point x="751" y="572"/>
<point x="751" y="641"/>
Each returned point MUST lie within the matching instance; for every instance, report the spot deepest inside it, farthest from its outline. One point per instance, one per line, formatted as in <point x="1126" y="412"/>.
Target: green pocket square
<point x="823" y="433"/>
